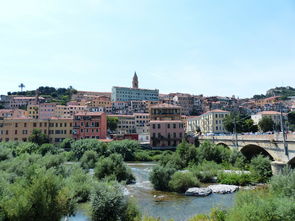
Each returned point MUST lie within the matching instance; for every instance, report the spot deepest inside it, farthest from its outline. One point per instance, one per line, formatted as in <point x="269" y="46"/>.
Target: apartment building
<point x="90" y="125"/>
<point x="19" y="129"/>
<point x="126" y="124"/>
<point x="46" y="110"/>
<point x="274" y="115"/>
<point x="166" y="125"/>
<point x="209" y="122"/>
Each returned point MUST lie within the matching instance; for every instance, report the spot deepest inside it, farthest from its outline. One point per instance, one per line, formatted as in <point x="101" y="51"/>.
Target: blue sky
<point x="210" y="47"/>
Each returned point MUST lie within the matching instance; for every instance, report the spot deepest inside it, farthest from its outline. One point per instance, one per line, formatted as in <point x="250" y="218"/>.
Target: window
<point x="34" y="124"/>
<point x="15" y="132"/>
<point x="168" y="125"/>
<point x="174" y="126"/>
<point x="154" y="126"/>
<point x="159" y="135"/>
<point x="174" y="134"/>
<point x="159" y="126"/>
<point x="25" y="124"/>
<point x="16" y="124"/>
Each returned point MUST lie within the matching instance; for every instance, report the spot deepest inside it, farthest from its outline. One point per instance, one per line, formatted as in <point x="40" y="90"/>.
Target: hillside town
<point x="154" y="119"/>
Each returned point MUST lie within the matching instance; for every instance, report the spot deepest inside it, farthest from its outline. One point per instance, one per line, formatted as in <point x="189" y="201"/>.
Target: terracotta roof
<point x="166" y="121"/>
<point x="119" y="115"/>
<point x="165" y="106"/>
<point x="216" y="111"/>
<point x="269" y="112"/>
<point x="89" y="113"/>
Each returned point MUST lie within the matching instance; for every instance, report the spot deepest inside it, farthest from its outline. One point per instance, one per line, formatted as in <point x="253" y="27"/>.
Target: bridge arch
<point x="252" y="150"/>
<point x="222" y="144"/>
<point x="292" y="163"/>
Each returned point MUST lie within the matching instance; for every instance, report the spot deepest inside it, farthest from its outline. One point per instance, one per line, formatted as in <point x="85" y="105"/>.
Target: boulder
<point x="196" y="191"/>
<point x="223" y="188"/>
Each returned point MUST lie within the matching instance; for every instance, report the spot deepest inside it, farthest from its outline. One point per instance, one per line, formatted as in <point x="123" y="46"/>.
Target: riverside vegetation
<point x="46" y="182"/>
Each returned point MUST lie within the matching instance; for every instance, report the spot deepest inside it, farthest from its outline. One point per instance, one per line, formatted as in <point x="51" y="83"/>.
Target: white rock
<point x="223" y="188"/>
<point x="195" y="191"/>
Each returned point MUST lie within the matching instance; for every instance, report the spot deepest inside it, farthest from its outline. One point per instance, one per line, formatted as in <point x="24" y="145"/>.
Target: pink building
<point x="166" y="126"/>
<point x="90" y="125"/>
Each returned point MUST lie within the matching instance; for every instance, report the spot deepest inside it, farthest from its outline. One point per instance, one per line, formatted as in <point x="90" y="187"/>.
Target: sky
<point x="210" y="47"/>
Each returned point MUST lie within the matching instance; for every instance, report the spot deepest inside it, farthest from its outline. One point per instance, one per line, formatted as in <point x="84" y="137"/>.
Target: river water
<point x="164" y="204"/>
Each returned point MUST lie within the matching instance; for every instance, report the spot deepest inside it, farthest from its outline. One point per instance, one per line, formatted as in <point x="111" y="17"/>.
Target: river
<point x="171" y="205"/>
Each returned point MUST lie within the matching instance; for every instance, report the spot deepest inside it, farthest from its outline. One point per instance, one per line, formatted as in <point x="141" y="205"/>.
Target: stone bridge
<point x="269" y="145"/>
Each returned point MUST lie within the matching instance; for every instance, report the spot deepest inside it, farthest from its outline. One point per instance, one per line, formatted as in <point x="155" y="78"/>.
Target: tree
<point x="266" y="124"/>
<point x="38" y="137"/>
<point x="291" y="117"/>
<point x="112" y="123"/>
<point x="114" y="168"/>
<point x="243" y="123"/>
<point x="109" y="204"/>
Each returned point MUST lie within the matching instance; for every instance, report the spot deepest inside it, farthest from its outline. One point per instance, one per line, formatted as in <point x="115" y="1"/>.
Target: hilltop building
<point x="134" y="93"/>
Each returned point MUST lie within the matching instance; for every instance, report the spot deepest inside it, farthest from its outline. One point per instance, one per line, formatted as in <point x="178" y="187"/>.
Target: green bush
<point x="181" y="181"/>
<point x="79" y="147"/>
<point x="160" y="177"/>
<point x="113" y="167"/>
<point x="80" y="183"/>
<point x="89" y="159"/>
<point x="260" y="167"/>
<point x="284" y="183"/>
<point x="142" y="156"/>
<point x="206" y="170"/>
<point x="109" y="204"/>
<point x="234" y="178"/>
<point x="48" y="148"/>
<point x="126" y="148"/>
<point x="260" y="205"/>
<point x="43" y="197"/>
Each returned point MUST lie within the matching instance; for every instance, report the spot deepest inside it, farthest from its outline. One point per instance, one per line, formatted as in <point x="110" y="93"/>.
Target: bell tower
<point x="135" y="81"/>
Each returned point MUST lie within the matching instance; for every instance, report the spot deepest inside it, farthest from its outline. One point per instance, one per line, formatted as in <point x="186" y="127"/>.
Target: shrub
<point x="237" y="159"/>
<point x="260" y="205"/>
<point x="284" y="183"/>
<point x="44" y="197"/>
<point x="81" y="146"/>
<point x="5" y="153"/>
<point x="234" y="178"/>
<point x="187" y="153"/>
<point x="113" y="167"/>
<point x="260" y="167"/>
<point x="109" y="204"/>
<point x="48" y="148"/>
<point x="211" y="152"/>
<point x="206" y="170"/>
<point x="181" y="181"/>
<point x="126" y="148"/>
<point x="172" y="161"/>
<point x="80" y="183"/>
<point x="89" y="159"/>
<point x="142" y="156"/>
<point x="160" y="177"/>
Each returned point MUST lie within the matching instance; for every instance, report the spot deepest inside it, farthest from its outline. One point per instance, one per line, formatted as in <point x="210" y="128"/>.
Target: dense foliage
<point x="113" y="168"/>
<point x="243" y="123"/>
<point x="51" y="94"/>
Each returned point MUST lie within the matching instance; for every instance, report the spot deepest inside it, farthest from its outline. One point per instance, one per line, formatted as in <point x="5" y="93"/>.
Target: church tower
<point x="135" y="81"/>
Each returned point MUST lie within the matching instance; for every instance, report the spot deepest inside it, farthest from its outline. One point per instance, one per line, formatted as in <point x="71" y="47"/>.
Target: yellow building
<point x="209" y="122"/>
<point x="19" y="129"/>
<point x="33" y="111"/>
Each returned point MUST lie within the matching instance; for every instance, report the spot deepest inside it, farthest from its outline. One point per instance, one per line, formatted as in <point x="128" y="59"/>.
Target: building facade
<point x="209" y="122"/>
<point x="166" y="126"/>
<point x="19" y="129"/>
<point x="90" y="125"/>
